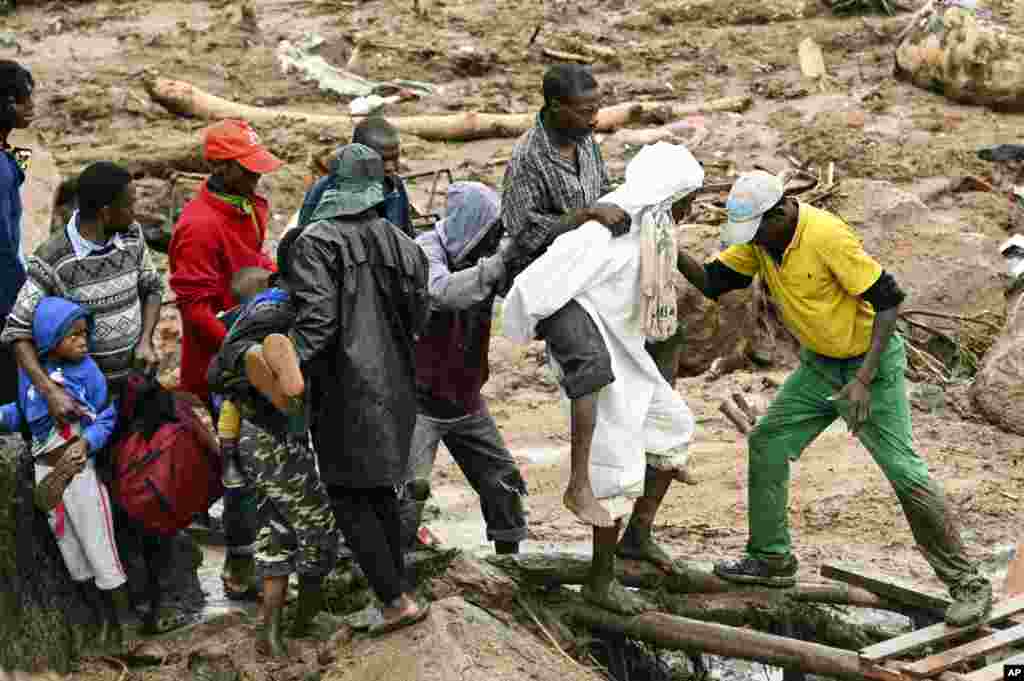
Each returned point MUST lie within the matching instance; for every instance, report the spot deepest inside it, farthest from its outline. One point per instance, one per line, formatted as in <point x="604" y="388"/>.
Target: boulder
<point x="998" y="388"/>
<point x="971" y="55"/>
<point x="457" y="641"/>
<point x="37" y="194"/>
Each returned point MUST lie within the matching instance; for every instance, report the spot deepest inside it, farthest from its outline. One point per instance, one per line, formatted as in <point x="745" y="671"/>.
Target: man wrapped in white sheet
<point x="627" y="286"/>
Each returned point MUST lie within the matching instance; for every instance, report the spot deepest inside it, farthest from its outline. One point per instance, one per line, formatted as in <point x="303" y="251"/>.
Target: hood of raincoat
<point x="53" y="318"/>
<point x="473" y="210"/>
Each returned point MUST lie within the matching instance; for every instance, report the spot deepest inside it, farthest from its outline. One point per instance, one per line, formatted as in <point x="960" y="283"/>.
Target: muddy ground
<point x="89" y="59"/>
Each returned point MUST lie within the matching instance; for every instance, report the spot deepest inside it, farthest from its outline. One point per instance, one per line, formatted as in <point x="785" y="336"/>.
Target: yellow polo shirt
<point x="818" y="286"/>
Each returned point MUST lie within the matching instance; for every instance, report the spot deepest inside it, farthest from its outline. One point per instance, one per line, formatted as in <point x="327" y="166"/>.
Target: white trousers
<point x="84" y="528"/>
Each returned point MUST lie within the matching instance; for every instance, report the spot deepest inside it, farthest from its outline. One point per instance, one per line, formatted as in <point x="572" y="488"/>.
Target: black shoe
<point x="1001" y="153"/>
<point x="749" y="570"/>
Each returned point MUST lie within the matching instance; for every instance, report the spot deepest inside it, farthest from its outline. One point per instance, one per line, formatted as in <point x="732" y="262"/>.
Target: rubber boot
<point x="116" y="602"/>
<point x="311" y="603"/>
<point x="271" y="640"/>
<point x="94" y="598"/>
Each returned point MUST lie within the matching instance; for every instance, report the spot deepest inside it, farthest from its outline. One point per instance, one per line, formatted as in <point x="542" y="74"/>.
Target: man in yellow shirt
<point x="842" y="307"/>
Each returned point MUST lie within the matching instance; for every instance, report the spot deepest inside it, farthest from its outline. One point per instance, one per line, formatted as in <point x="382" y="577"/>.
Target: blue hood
<point x="473" y="208"/>
<point x="54" y="316"/>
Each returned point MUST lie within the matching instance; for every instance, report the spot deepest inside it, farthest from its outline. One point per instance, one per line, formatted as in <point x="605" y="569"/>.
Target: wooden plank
<point x="937" y="633"/>
<point x="940" y="662"/>
<point x="885" y="588"/>
<point x="994" y="672"/>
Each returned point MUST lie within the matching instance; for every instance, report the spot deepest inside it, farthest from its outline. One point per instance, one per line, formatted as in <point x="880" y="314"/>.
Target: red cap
<point x="235" y="140"/>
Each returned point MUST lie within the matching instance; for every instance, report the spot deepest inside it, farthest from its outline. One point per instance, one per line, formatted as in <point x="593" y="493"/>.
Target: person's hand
<point x="145" y="357"/>
<point x="858" y="396"/>
<point x="614" y="218"/>
<point x="507" y="249"/>
<point x="76" y="455"/>
<point x="62" y="407"/>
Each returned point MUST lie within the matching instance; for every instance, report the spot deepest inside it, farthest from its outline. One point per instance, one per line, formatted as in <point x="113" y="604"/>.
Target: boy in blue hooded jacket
<point x="81" y="520"/>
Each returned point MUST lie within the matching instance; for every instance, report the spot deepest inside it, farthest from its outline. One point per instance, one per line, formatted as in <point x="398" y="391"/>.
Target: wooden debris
<point x="188" y="100"/>
<point x="886" y="589"/>
<point x="742" y="403"/>
<point x="937" y="633"/>
<point x="994" y="672"/>
<point x="735" y="416"/>
<point x="679" y="633"/>
<point x="566" y="56"/>
<point x="940" y="662"/>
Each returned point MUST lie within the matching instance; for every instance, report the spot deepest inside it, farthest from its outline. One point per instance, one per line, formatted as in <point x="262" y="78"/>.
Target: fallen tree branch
<point x="185" y="99"/>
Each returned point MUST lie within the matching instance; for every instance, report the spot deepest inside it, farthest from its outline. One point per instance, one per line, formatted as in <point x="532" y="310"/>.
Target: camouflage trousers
<point x="299" y="534"/>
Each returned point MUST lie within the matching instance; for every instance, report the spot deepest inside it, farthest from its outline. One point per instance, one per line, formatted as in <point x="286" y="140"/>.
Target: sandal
<point x="388" y="626"/>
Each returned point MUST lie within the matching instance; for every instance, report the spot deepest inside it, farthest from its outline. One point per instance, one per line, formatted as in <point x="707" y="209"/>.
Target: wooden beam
<point x="680" y="633"/>
<point x="940" y="662"/>
<point x="993" y="672"/>
<point x="937" y="633"/>
<point x="886" y="588"/>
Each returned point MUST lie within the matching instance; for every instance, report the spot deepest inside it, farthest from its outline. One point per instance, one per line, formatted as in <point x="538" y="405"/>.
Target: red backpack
<point x="166" y="463"/>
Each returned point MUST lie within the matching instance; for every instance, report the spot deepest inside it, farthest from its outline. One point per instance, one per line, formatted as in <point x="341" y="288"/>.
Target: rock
<point x="928" y="398"/>
<point x="37" y="194"/>
<point x="38" y="601"/>
<point x="974" y="56"/>
<point x="457" y="641"/>
<point x="998" y="387"/>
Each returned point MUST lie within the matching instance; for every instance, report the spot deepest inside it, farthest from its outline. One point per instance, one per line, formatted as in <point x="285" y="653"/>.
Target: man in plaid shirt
<point x="552" y="186"/>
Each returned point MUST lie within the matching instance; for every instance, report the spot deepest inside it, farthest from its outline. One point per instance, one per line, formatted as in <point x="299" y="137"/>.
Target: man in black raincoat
<point x="360" y="289"/>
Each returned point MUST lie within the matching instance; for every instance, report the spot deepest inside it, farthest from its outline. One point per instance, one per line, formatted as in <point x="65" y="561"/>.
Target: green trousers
<point x="802" y="410"/>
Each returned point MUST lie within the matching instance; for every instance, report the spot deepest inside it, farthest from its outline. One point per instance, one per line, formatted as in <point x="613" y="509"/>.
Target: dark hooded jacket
<point x="451" y="356"/>
<point x="359" y="287"/>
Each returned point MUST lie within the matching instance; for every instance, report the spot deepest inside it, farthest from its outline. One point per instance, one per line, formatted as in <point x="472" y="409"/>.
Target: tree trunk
<point x="680" y="633"/>
<point x="186" y="99"/>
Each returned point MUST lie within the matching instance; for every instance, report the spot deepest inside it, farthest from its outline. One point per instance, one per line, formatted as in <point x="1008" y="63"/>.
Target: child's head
<point x="74" y="346"/>
<point x="247" y="282"/>
<point x="60" y="329"/>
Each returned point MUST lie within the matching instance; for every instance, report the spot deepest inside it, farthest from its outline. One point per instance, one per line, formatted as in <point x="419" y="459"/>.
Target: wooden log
<point x="993" y="672"/>
<point x="1015" y="573"/>
<point x="938" y="633"/>
<point x="742" y="403"/>
<point x="678" y="633"/>
<point x="946" y="660"/>
<point x="915" y="599"/>
<point x="188" y="100"/>
<point x="556" y="569"/>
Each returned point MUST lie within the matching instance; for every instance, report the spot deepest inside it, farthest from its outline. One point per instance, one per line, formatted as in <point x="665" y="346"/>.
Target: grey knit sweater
<point x="112" y="285"/>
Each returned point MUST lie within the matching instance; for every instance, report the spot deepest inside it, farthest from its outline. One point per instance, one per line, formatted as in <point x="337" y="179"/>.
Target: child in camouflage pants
<point x="257" y="372"/>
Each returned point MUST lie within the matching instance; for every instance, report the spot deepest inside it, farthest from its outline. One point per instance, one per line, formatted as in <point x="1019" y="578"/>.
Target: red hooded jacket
<point x="211" y="241"/>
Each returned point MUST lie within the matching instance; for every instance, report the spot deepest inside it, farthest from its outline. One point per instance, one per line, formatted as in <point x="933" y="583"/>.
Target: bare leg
<point x="602" y="589"/>
<point x="579" y="497"/>
<point x="638" y="542"/>
<point x="273" y="369"/>
<point x="271" y="641"/>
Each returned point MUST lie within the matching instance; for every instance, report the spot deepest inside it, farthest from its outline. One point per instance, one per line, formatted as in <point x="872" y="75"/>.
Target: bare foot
<point x="283" y="361"/>
<point x="641" y="546"/>
<point x="261" y="376"/>
<point x="615" y="597"/>
<point x="583" y="504"/>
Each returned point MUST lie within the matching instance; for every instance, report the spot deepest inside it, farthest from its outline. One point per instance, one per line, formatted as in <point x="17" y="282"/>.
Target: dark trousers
<point x="8" y="374"/>
<point x="370" y="521"/>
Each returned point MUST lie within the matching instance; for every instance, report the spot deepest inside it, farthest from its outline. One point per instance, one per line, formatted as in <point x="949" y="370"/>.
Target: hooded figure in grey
<point x="467" y="266"/>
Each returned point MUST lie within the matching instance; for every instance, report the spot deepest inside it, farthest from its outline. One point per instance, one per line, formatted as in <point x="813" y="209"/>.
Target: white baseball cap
<point x="753" y="194"/>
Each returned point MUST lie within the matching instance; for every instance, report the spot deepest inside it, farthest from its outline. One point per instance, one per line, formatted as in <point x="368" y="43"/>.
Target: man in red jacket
<point x="220" y="232"/>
